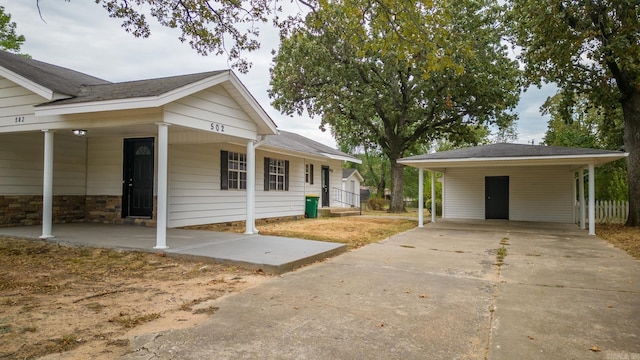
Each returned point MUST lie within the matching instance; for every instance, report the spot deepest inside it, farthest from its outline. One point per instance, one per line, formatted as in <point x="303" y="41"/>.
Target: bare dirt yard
<point x="71" y="302"/>
<point x="85" y="303"/>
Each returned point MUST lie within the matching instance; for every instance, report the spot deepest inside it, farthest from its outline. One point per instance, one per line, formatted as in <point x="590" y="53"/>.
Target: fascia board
<point x="516" y="161"/>
<point x="277" y="150"/>
<point x="344" y="158"/>
<point x="27" y="84"/>
<point x="253" y="103"/>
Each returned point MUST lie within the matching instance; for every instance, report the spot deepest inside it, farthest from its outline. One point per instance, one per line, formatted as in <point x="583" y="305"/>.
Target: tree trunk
<point x="631" y="111"/>
<point x="397" y="187"/>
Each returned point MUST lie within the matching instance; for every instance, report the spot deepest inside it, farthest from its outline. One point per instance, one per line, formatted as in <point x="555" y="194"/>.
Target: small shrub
<point x="377" y="204"/>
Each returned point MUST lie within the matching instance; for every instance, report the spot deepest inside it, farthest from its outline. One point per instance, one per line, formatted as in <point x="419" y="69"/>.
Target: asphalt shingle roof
<point x="298" y="143"/>
<point x="504" y="150"/>
<point x="134" y="89"/>
<point x="347" y="172"/>
<point x="60" y="80"/>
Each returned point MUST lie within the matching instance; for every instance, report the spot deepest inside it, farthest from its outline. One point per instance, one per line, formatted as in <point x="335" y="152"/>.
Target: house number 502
<point x="19" y="119"/>
<point x="217" y="127"/>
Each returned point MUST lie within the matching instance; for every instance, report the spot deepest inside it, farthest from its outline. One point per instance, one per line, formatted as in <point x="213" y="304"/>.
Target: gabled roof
<point x="511" y="155"/>
<point x="56" y="79"/>
<point x="133" y="89"/>
<point x="346" y="173"/>
<point x="299" y="144"/>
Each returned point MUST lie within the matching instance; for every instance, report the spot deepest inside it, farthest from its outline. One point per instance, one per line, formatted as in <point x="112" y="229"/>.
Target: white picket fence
<point x="607" y="211"/>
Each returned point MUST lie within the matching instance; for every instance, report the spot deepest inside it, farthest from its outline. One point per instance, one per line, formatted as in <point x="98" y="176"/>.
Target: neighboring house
<point x="350" y="191"/>
<point x="514" y="181"/>
<point x="175" y="151"/>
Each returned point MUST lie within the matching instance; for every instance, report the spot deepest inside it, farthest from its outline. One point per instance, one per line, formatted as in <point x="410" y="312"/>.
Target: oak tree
<point x="396" y="74"/>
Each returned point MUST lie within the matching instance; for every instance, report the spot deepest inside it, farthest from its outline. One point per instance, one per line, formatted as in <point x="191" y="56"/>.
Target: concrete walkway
<point x="271" y="254"/>
<point x="433" y="293"/>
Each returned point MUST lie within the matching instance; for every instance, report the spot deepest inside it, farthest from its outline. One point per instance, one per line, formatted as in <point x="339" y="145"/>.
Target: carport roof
<point x="504" y="154"/>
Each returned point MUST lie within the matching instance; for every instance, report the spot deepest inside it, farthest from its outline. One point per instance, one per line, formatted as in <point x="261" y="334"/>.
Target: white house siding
<point x="21" y="164"/>
<point x="209" y="106"/>
<point x="535" y="193"/>
<point x="16" y="104"/>
<point x="280" y="203"/>
<point x="194" y="187"/>
<point x="104" y="166"/>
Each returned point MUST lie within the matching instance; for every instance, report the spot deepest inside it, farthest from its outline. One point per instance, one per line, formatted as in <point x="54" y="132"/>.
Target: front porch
<point x="271" y="254"/>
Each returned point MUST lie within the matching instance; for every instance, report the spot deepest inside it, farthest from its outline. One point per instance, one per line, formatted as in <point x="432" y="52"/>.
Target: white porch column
<point x="163" y="156"/>
<point x="420" y="197"/>
<point x="251" y="187"/>
<point x="592" y="201"/>
<point x="433" y="196"/>
<point x="581" y="191"/>
<point x="47" y="186"/>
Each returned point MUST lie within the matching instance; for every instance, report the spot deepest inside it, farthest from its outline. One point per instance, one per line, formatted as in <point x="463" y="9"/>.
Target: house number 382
<point x="19" y="119"/>
<point x="217" y="127"/>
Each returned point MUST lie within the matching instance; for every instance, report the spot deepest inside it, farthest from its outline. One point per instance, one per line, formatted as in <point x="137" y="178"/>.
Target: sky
<point x="79" y="35"/>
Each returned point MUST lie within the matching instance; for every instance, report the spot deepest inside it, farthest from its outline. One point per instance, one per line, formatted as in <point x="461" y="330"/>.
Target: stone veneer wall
<point x="21" y="210"/>
<point x="107" y="209"/>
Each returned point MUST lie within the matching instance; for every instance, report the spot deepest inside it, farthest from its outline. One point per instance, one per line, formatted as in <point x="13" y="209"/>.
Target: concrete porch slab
<point x="271" y="254"/>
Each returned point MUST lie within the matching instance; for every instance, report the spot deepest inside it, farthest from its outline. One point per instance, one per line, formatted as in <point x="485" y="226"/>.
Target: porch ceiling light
<point x="79" y="132"/>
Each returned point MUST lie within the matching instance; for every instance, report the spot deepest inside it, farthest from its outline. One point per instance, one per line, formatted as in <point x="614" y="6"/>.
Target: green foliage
<point x="589" y="48"/>
<point x="356" y="64"/>
<point x="576" y="123"/>
<point x="217" y="27"/>
<point x="9" y="40"/>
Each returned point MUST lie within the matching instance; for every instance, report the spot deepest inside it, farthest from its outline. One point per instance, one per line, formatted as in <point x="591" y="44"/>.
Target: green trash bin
<point x="311" y="207"/>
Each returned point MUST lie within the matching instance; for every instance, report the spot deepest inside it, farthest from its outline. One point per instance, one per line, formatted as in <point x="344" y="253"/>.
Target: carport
<point x="513" y="182"/>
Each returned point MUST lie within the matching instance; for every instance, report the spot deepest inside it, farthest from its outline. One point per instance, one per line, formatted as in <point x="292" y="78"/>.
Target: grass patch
<point x="623" y="237"/>
<point x="353" y="231"/>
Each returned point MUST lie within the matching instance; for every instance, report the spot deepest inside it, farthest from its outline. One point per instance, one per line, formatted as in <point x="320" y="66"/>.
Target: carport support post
<point x="161" y="223"/>
<point x="433" y="196"/>
<point x="420" y="197"/>
<point x="47" y="186"/>
<point x="251" y="186"/>
<point x="582" y="207"/>
<point x="592" y="201"/>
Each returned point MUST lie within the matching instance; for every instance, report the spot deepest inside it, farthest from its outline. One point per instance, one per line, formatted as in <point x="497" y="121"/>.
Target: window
<point x="233" y="170"/>
<point x="308" y="173"/>
<point x="276" y="175"/>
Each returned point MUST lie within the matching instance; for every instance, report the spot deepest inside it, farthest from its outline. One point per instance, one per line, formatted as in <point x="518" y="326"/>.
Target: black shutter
<point x="224" y="170"/>
<point x="266" y="173"/>
<point x="286" y="175"/>
<point x="311" y="174"/>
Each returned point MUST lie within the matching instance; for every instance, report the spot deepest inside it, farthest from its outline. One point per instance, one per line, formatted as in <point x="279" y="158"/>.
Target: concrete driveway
<point x="433" y="293"/>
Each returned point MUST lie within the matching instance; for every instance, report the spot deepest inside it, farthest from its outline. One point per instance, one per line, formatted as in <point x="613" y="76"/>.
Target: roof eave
<point x="32" y="86"/>
<point x="596" y="159"/>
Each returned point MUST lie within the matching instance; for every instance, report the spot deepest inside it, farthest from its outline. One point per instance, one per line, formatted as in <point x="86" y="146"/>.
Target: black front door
<point x="496" y="191"/>
<point x="137" y="191"/>
<point x="325" y="186"/>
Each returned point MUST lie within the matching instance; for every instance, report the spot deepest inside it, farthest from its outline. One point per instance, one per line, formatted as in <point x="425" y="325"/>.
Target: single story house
<point x="513" y="181"/>
<point x="350" y="191"/>
<point x="166" y="152"/>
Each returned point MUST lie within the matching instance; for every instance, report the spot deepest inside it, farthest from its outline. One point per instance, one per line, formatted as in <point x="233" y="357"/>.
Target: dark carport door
<point x="325" y="186"/>
<point x="137" y="182"/>
<point x="496" y="191"/>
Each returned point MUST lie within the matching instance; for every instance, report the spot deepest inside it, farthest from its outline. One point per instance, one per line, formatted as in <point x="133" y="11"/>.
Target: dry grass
<point x="625" y="238"/>
<point x="353" y="231"/>
<point x="82" y="301"/>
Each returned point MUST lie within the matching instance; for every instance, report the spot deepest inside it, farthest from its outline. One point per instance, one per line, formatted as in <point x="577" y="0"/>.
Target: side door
<point x="325" y="186"/>
<point x="496" y="190"/>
